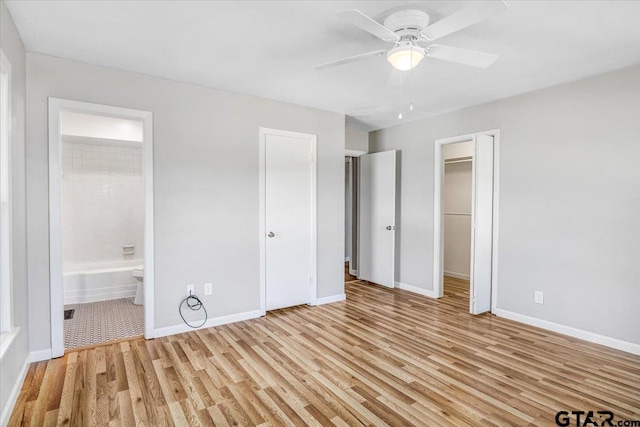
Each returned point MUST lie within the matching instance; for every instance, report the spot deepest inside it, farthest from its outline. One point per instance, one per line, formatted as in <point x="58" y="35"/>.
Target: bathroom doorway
<point x="101" y="231"/>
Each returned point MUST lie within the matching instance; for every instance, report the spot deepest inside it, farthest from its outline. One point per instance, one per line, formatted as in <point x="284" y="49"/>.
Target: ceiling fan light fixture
<point x="406" y="57"/>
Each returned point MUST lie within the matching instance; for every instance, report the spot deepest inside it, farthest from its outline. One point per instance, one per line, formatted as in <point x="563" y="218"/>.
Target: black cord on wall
<point x="194" y="303"/>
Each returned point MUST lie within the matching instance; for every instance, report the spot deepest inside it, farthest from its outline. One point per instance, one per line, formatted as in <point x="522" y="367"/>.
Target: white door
<point x="288" y="219"/>
<point x="482" y="225"/>
<point x="377" y="216"/>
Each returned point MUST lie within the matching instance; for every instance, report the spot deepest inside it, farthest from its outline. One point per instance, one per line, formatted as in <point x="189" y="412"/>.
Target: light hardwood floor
<point x="380" y="357"/>
<point x="347" y="276"/>
<point x="456" y="292"/>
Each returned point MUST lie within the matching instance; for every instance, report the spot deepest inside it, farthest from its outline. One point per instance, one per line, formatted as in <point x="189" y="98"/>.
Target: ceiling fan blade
<point x="368" y="24"/>
<point x="464" y="18"/>
<point x="350" y="59"/>
<point x="461" y="56"/>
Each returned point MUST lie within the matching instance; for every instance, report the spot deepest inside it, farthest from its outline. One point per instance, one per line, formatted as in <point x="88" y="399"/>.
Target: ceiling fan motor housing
<point x="407" y="22"/>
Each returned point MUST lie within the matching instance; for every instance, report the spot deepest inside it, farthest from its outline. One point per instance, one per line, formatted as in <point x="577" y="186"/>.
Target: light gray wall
<point x="18" y="352"/>
<point x="569" y="207"/>
<point x="356" y="139"/>
<point x="205" y="184"/>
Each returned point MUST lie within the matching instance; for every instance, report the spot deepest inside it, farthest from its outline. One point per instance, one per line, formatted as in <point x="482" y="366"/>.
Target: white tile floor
<point x="102" y="321"/>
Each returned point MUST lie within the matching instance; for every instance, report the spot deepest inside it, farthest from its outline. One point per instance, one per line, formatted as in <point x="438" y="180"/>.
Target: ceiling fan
<point x="406" y="28"/>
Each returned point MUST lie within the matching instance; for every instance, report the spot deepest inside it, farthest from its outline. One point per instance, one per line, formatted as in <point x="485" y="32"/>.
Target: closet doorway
<point x="465" y="220"/>
<point x="456" y="226"/>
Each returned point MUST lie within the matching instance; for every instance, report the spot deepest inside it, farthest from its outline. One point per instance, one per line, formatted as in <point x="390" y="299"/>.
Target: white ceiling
<point x="268" y="49"/>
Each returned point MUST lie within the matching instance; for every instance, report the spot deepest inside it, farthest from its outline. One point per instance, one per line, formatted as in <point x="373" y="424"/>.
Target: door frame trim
<point x="438" y="221"/>
<point x="354" y="153"/>
<point x="55" y="107"/>
<point x="313" y="288"/>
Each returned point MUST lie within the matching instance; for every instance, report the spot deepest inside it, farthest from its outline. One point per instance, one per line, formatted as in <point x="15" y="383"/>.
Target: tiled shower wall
<point x="102" y="202"/>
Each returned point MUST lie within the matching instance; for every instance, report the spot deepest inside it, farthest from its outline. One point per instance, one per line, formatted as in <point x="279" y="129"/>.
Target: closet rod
<point x="448" y="162"/>
<point x="457" y="213"/>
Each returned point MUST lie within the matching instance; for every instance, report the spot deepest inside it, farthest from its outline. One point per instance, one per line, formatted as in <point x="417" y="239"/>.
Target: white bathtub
<point x="99" y="281"/>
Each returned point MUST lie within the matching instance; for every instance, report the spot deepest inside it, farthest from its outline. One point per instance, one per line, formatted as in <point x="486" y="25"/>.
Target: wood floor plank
<point x="38" y="411"/>
<point x="135" y="392"/>
<point x="382" y="357"/>
<point x="127" y="417"/>
<point x="20" y="415"/>
<point x="66" y="401"/>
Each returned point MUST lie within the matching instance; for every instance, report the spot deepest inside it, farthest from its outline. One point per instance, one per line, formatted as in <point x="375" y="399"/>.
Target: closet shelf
<point x="458" y="160"/>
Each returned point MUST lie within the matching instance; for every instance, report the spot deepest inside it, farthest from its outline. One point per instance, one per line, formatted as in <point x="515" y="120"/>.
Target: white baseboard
<point x="330" y="299"/>
<point x="40" y="355"/>
<point x="81" y="296"/>
<point x="13" y="396"/>
<point x="457" y="275"/>
<point x="216" y="321"/>
<point x="571" y="331"/>
<point x="426" y="292"/>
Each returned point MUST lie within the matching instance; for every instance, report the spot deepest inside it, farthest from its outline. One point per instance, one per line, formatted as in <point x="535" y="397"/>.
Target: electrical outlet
<point x="538" y="297"/>
<point x="191" y="290"/>
<point x="208" y="288"/>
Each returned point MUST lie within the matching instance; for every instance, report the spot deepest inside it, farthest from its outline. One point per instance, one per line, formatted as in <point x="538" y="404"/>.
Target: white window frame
<point x="7" y="331"/>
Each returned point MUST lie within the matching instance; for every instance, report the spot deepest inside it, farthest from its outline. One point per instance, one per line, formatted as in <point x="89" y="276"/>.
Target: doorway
<point x="288" y="230"/>
<point x="351" y="191"/>
<point x="101" y="223"/>
<point x="466" y="220"/>
<point x="456" y="227"/>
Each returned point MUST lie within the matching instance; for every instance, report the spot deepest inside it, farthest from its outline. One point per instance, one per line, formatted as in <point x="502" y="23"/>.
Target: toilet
<point x="138" y="273"/>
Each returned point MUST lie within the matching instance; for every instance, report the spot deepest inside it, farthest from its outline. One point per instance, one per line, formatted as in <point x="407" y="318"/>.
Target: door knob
<point x="271" y="234"/>
<point x="389" y="227"/>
